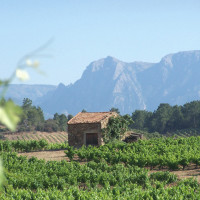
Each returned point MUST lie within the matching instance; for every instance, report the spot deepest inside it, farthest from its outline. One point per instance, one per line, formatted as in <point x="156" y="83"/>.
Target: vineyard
<point x="55" y="137"/>
<point x="112" y="171"/>
<point x="155" y="153"/>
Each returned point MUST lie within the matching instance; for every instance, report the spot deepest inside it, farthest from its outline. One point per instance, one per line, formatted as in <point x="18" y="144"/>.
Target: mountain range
<point x="109" y="82"/>
<point x="17" y="92"/>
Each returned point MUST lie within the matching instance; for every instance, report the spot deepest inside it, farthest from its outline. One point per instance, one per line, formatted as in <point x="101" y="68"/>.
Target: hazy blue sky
<point x="85" y="31"/>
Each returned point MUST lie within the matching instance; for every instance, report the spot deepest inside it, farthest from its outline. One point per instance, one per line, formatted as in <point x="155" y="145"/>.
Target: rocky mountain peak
<point x="109" y="82"/>
<point x="61" y="85"/>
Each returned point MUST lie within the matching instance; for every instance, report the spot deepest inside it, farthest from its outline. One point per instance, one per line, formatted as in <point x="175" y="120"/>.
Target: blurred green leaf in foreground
<point x="10" y="114"/>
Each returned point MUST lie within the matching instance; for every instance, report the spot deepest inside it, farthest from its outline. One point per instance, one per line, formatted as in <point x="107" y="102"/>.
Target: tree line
<point x="164" y="119"/>
<point x="168" y="118"/>
<point x="32" y="119"/>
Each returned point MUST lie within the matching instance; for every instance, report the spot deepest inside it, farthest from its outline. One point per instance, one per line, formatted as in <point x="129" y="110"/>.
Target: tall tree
<point x="63" y="122"/>
<point x="141" y="119"/>
<point x="27" y="103"/>
<point x="32" y="117"/>
<point x="161" y="117"/>
<point x="69" y="117"/>
<point x="191" y="112"/>
<point x="176" y="121"/>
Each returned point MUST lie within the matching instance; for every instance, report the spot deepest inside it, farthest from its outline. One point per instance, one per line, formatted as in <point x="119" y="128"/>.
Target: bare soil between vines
<point x="189" y="172"/>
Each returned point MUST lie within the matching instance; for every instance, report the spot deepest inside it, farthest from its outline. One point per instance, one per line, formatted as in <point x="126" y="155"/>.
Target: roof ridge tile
<point x="90" y="117"/>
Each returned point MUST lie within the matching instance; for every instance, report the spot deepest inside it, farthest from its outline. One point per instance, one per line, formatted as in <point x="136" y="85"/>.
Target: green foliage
<point x="116" y="127"/>
<point x="32" y="117"/>
<point x="2" y="177"/>
<point x="115" y="110"/>
<point x="111" y="172"/>
<point x="61" y="120"/>
<point x="50" y="125"/>
<point x="167" y="177"/>
<point x="154" y="153"/>
<point x="70" y="152"/>
<point x="168" y="119"/>
<point x="185" y="132"/>
<point x="161" y="117"/>
<point x="26" y="104"/>
<point x="69" y="117"/>
<point x="9" y="114"/>
<point x="37" y="179"/>
<point x="140" y="118"/>
<point x="29" y="145"/>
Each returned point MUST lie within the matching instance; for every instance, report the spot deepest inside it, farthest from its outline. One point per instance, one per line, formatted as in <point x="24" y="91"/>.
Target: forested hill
<point x="110" y="83"/>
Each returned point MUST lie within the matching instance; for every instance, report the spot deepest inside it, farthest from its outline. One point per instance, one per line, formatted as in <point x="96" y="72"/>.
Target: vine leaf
<point x="10" y="115"/>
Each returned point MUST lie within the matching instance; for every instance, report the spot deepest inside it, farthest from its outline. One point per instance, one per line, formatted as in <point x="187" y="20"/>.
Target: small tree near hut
<point x="116" y="128"/>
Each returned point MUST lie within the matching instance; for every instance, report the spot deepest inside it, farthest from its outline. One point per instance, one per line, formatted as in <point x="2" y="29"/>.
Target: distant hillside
<point x="18" y="92"/>
<point x="110" y="83"/>
<point x="174" y="80"/>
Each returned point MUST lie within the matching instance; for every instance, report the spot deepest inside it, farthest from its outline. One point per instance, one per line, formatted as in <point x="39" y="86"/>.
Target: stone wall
<point x="77" y="133"/>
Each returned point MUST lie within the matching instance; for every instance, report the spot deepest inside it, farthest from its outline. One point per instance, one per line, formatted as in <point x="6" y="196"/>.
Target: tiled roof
<point x="90" y="117"/>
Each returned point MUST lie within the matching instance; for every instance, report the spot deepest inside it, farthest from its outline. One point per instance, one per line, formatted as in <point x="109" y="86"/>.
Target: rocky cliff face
<point x="104" y="84"/>
<point x="174" y="80"/>
<point x="110" y="83"/>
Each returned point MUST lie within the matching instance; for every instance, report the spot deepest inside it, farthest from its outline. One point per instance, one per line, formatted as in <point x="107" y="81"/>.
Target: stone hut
<point x="86" y="128"/>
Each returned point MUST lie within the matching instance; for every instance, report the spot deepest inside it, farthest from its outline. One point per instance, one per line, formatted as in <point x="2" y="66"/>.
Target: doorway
<point x="92" y="139"/>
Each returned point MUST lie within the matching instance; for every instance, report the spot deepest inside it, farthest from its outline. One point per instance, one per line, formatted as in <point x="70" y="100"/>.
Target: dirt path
<point x="47" y="155"/>
<point x="192" y="173"/>
<point x="189" y="172"/>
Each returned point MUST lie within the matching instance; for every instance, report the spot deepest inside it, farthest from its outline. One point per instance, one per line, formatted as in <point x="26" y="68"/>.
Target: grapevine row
<point x="29" y="145"/>
<point x="160" y="152"/>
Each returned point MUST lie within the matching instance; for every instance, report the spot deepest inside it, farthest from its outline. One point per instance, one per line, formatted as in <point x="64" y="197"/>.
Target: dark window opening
<point x="91" y="139"/>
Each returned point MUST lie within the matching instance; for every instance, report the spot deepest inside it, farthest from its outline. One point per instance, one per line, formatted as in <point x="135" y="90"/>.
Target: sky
<point x="79" y="32"/>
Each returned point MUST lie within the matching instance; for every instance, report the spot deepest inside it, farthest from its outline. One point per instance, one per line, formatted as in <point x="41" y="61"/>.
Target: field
<point x="147" y="169"/>
<point x="55" y="137"/>
<point x="47" y="155"/>
<point x="189" y="172"/>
